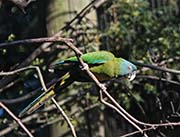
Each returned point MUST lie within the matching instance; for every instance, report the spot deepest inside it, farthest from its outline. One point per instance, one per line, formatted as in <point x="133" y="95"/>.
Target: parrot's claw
<point x="85" y="66"/>
<point x="51" y="70"/>
<point x="103" y="87"/>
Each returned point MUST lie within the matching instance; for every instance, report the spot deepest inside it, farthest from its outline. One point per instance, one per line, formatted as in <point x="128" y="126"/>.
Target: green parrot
<point x="103" y="64"/>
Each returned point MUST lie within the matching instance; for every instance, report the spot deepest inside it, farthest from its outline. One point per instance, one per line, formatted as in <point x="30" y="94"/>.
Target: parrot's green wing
<point x="91" y="58"/>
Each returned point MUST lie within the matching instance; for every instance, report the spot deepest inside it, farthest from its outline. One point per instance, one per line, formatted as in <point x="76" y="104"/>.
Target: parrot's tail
<point x="39" y="101"/>
<point x="63" y="82"/>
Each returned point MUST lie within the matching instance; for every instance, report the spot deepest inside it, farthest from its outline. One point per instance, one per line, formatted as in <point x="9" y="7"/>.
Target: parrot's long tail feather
<point x="37" y="102"/>
<point x="63" y="82"/>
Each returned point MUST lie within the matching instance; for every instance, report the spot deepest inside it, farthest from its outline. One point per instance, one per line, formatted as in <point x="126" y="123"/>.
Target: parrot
<point x="103" y="64"/>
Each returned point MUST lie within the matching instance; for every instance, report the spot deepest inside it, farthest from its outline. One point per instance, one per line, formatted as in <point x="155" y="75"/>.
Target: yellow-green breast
<point x="107" y="70"/>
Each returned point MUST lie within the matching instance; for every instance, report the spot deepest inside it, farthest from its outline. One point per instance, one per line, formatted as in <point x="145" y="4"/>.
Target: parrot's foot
<point x="103" y="87"/>
<point x="51" y="70"/>
<point x="85" y="67"/>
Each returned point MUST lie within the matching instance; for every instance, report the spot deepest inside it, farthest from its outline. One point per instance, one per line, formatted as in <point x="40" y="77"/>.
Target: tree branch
<point x="157" y="68"/>
<point x="153" y="128"/>
<point x="158" y="79"/>
<point x="16" y="119"/>
<point x="121" y="113"/>
<point x="35" y="40"/>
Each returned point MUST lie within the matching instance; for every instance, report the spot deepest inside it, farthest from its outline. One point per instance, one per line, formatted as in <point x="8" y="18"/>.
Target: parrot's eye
<point x="130" y="68"/>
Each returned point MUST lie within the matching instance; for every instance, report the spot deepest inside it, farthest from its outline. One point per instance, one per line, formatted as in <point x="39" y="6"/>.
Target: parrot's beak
<point x="131" y="75"/>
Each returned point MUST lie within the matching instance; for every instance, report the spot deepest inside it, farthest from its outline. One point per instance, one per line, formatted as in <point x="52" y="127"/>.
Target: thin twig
<point x="16" y="119"/>
<point x="158" y="79"/>
<point x="81" y="14"/>
<point x="65" y="117"/>
<point x="28" y="95"/>
<point x="9" y="85"/>
<point x="35" y="40"/>
<point x="125" y="112"/>
<point x="157" y="68"/>
<point x="122" y="114"/>
<point x="152" y="128"/>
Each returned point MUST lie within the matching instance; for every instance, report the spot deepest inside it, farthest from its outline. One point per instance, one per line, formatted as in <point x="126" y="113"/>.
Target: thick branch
<point x="35" y="40"/>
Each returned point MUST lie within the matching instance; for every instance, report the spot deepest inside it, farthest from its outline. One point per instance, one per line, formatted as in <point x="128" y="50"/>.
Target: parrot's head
<point x="127" y="69"/>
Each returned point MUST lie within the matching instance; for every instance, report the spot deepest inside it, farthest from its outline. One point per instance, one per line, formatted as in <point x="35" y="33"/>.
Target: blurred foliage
<point x="136" y="27"/>
<point x="133" y="29"/>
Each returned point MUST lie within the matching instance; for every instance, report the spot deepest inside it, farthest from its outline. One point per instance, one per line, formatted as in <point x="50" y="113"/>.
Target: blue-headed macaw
<point x="103" y="64"/>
